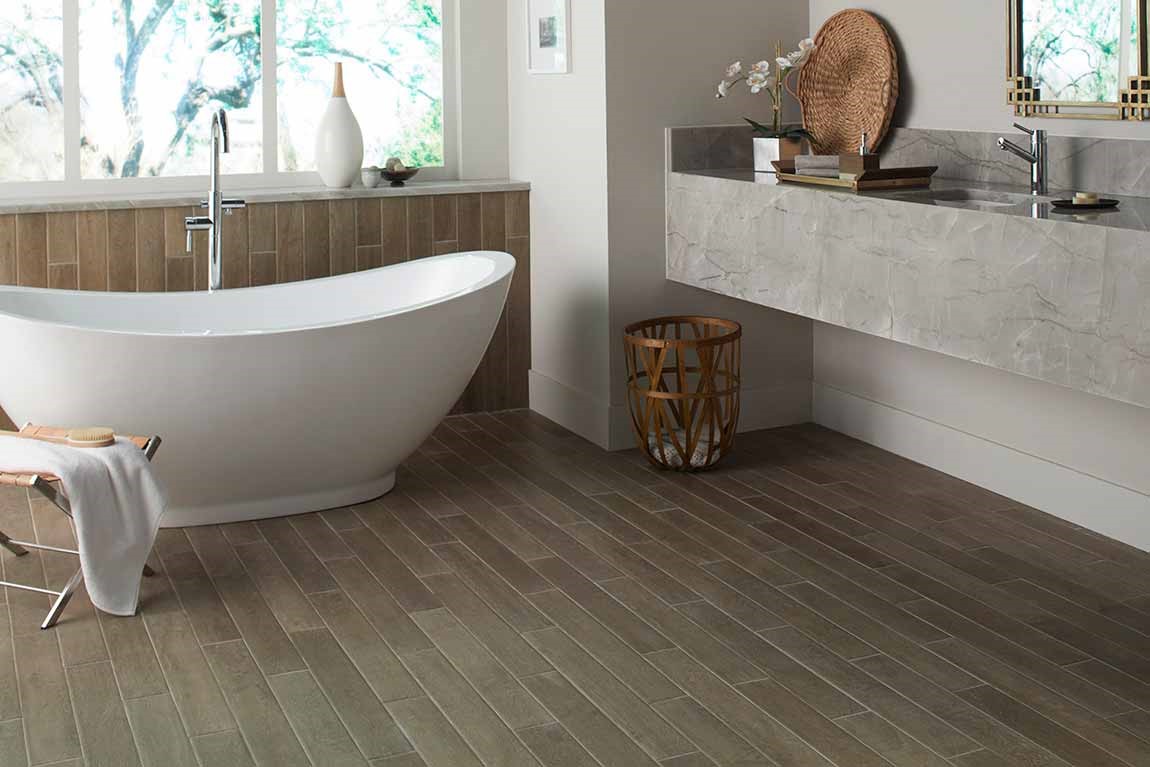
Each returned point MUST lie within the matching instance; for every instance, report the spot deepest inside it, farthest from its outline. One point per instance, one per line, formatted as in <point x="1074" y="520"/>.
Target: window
<point x="31" y="92"/>
<point x="116" y="94"/>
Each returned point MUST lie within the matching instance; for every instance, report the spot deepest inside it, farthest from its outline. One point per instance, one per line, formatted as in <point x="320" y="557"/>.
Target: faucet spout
<point x="1015" y="149"/>
<point x="1036" y="157"/>
<point x="216" y="205"/>
<point x="220" y="124"/>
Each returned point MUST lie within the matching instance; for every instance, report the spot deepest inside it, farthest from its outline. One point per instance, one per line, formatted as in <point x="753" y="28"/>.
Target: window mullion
<point x="268" y="83"/>
<point x="71" y="90"/>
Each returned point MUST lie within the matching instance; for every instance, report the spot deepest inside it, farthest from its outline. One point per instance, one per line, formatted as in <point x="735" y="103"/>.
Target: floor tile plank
<point x="303" y="565"/>
<point x="262" y="721"/>
<point x="487" y="735"/>
<point x="1038" y="728"/>
<point x="194" y="689"/>
<point x="437" y="742"/>
<point x="320" y="731"/>
<point x="225" y="747"/>
<point x="512" y="606"/>
<point x="636" y="632"/>
<point x="12" y="750"/>
<point x="622" y="659"/>
<point x="594" y="731"/>
<point x="708" y="732"/>
<point x="265" y="637"/>
<point x="810" y="687"/>
<point x="553" y="746"/>
<point x="611" y="696"/>
<point x="275" y="584"/>
<point x="105" y="734"/>
<point x="890" y="703"/>
<point x="493" y="682"/>
<point x="373" y="658"/>
<point x="497" y="636"/>
<point x="524" y="597"/>
<point x="761" y="729"/>
<point x="379" y="607"/>
<point x="1105" y="733"/>
<point x="360" y="710"/>
<point x="44" y="698"/>
<point x="159" y="734"/>
<point x="896" y="746"/>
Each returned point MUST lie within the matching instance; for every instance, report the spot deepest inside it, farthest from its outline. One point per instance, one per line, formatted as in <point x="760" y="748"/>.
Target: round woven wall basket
<point x="683" y="378"/>
<point x="850" y="83"/>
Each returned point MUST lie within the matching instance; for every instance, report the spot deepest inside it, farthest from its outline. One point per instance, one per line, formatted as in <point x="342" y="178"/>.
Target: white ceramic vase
<point x="338" y="141"/>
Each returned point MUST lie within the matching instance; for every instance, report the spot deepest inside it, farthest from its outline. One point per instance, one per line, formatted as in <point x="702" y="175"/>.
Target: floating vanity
<point x="978" y="271"/>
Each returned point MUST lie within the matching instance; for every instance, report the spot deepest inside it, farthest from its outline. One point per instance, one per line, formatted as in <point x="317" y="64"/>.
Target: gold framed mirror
<point x="1080" y="59"/>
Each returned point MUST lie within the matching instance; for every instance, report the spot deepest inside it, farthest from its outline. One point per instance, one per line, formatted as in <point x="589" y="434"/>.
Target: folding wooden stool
<point x="43" y="484"/>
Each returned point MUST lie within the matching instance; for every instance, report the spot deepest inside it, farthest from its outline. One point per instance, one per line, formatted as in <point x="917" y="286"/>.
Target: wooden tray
<point x="871" y="180"/>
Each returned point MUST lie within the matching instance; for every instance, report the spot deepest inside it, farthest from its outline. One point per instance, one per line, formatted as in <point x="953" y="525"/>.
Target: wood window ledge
<point x="167" y="199"/>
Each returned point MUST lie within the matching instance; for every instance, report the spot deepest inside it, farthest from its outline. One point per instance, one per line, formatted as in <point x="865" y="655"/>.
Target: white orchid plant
<point x="759" y="78"/>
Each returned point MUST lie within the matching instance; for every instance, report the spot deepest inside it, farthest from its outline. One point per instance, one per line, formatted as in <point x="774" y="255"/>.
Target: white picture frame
<point x="549" y="37"/>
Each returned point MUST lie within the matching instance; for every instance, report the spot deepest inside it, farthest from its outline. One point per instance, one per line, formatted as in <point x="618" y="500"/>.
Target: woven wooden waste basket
<point x="683" y="389"/>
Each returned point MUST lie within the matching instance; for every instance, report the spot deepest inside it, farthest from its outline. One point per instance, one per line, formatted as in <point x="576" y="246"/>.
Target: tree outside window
<point x="151" y="70"/>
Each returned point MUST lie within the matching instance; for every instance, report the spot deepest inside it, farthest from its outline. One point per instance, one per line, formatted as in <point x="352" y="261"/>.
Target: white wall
<point x="558" y="139"/>
<point x="481" y="38"/>
<point x="655" y="82"/>
<point x="1070" y="453"/>
<point x="592" y="145"/>
<point x="953" y="66"/>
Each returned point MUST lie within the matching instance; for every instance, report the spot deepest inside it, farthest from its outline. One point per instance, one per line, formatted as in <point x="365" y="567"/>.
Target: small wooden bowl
<point x="397" y="178"/>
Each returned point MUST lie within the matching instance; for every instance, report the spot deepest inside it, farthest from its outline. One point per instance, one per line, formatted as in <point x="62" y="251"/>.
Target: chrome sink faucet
<point x="1036" y="156"/>
<point x="216" y="205"/>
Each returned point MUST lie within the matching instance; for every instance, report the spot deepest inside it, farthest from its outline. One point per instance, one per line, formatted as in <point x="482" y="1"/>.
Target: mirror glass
<point x="1080" y="50"/>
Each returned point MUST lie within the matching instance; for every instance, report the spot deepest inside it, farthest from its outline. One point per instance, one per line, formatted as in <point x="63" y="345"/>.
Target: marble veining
<point x="1108" y="166"/>
<point x="1046" y="298"/>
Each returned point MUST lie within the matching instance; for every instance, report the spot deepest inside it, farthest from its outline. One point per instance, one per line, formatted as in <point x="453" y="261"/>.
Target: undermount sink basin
<point x="974" y="199"/>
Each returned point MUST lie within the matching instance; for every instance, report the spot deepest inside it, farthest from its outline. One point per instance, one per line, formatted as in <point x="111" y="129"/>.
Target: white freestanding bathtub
<point x="272" y="400"/>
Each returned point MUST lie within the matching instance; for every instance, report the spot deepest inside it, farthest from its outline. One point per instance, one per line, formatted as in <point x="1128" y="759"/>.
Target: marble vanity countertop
<point x="1060" y="298"/>
<point x="1133" y="213"/>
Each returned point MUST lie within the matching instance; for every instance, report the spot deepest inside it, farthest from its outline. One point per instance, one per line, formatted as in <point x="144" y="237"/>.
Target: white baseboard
<point x="572" y="409"/>
<point x="609" y="426"/>
<point x="1093" y="503"/>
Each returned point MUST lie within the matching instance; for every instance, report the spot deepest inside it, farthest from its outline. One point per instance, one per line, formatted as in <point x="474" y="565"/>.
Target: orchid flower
<point x="799" y="57"/>
<point x="758" y="81"/>
<point x="760" y="78"/>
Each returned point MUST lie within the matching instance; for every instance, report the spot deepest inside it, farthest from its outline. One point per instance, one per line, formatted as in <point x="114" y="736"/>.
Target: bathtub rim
<point x="505" y="265"/>
<point x="275" y="508"/>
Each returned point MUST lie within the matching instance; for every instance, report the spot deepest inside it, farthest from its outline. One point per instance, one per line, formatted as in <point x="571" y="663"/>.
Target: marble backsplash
<point x="1109" y="166"/>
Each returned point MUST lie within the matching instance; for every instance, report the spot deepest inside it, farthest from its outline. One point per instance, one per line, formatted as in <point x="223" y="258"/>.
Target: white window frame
<point x="75" y="187"/>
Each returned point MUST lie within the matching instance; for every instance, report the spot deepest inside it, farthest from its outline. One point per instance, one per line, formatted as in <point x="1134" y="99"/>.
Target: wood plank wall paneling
<point x="145" y="250"/>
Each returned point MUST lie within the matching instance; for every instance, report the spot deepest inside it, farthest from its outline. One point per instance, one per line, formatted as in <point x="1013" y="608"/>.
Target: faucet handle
<point x="196" y="224"/>
<point x="226" y="203"/>
<point x="1024" y="129"/>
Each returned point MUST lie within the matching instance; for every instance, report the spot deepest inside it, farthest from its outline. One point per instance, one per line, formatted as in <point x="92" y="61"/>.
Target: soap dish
<point x="1069" y="206"/>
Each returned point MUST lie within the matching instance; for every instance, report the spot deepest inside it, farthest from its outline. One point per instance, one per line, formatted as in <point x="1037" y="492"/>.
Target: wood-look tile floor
<point x="524" y="598"/>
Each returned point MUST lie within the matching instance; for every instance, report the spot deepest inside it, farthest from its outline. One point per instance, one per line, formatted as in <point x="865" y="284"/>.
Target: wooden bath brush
<point x="92" y="436"/>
